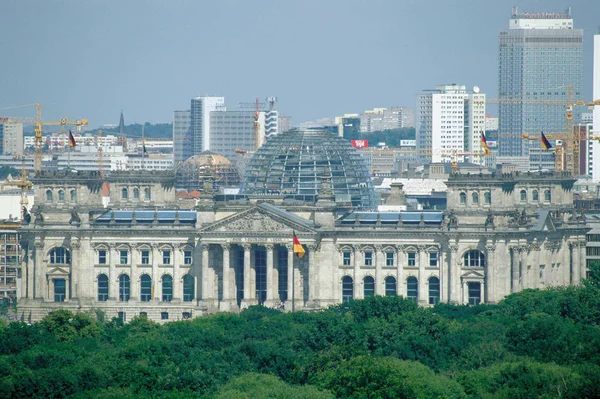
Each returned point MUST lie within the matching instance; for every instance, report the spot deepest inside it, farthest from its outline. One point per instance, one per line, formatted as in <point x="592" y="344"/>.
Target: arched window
<point x="102" y="288"/>
<point x="547" y="196"/>
<point x="412" y="288"/>
<point x="535" y="195"/>
<point x="147" y="196"/>
<point x="61" y="195"/>
<point x="434" y="290"/>
<point x="475" y="198"/>
<point x="474" y="258"/>
<point x="48" y="195"/>
<point x="73" y="196"/>
<point x="124" y="193"/>
<point x="347" y="289"/>
<point x="523" y="195"/>
<point x="463" y="198"/>
<point x="167" y="288"/>
<point x="188" y="288"/>
<point x="60" y="256"/>
<point x="390" y="286"/>
<point x="136" y="193"/>
<point x="145" y="288"/>
<point x="487" y="198"/>
<point x="124" y="286"/>
<point x="369" y="284"/>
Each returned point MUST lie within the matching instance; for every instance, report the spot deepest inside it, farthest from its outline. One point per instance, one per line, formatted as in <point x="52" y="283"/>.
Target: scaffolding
<point x="10" y="259"/>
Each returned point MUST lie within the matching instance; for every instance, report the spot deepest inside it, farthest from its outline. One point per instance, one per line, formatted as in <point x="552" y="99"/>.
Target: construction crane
<point x="25" y="187"/>
<point x="37" y="129"/>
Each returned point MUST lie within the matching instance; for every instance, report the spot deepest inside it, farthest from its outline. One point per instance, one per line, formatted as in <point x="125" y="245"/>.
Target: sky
<point x="320" y="58"/>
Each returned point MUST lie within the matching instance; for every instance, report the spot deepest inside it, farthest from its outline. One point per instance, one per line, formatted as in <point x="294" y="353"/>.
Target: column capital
<point x="269" y="247"/>
<point x="226" y="246"/>
<point x="205" y="247"/>
<point x="39" y="245"/>
<point x="379" y="248"/>
<point x="247" y="246"/>
<point x="76" y="244"/>
<point x="453" y="247"/>
<point x="491" y="247"/>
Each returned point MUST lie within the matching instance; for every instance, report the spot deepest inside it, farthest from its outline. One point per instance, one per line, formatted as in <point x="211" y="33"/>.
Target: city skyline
<point x="149" y="59"/>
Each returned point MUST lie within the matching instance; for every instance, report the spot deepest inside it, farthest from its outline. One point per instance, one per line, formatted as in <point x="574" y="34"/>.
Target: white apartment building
<point x="201" y="107"/>
<point x="11" y="138"/>
<point x="378" y="119"/>
<point x="450" y="124"/>
<point x="594" y="164"/>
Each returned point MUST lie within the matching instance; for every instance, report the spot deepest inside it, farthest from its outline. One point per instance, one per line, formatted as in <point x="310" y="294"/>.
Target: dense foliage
<point x="537" y="343"/>
<point x="390" y="137"/>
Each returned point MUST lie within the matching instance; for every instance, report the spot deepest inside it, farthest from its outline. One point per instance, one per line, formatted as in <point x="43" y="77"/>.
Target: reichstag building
<point x="151" y="253"/>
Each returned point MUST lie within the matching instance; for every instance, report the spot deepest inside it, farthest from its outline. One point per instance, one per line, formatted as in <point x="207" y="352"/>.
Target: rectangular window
<point x="102" y="256"/>
<point x="145" y="257"/>
<point x="143" y="314"/>
<point x="389" y="259"/>
<point x="60" y="289"/>
<point x="187" y="257"/>
<point x="412" y="259"/>
<point x="123" y="257"/>
<point x="346" y="258"/>
<point x="164" y="315"/>
<point x="122" y="316"/>
<point x="368" y="258"/>
<point x="186" y="315"/>
<point x="433" y="259"/>
<point x="166" y="257"/>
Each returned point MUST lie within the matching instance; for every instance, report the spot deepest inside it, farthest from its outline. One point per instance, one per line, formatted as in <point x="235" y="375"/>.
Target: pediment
<point x="58" y="271"/>
<point x="257" y="220"/>
<point x="473" y="275"/>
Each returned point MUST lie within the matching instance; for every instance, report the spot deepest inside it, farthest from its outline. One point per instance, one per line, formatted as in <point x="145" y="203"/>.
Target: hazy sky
<point x="321" y="58"/>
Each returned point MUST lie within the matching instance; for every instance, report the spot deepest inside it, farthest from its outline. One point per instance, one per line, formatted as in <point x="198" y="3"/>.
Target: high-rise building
<point x="540" y="61"/>
<point x="201" y="107"/>
<point x="182" y="138"/>
<point x="378" y="119"/>
<point x="594" y="145"/>
<point x="284" y="122"/>
<point x="231" y="130"/>
<point x="451" y="121"/>
<point x="11" y="138"/>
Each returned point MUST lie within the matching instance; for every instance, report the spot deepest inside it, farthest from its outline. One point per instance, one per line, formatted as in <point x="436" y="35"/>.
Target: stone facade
<point x="230" y="252"/>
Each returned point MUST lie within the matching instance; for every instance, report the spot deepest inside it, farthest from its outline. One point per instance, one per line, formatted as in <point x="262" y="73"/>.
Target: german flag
<point x="72" y="142"/>
<point x="298" y="248"/>
<point x="545" y="143"/>
<point x="484" y="145"/>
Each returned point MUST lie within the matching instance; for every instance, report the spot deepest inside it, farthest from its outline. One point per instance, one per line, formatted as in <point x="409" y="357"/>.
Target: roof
<point x="164" y="217"/>
<point x="416" y="186"/>
<point x="404" y="217"/>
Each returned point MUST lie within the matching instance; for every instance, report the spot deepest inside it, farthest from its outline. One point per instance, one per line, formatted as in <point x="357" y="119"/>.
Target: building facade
<point x="378" y="119"/>
<point x="451" y="122"/>
<point x="231" y="130"/>
<point x="182" y="136"/>
<point x="11" y="139"/>
<point x="595" y="144"/>
<point x="540" y="57"/>
<point x="200" y="110"/>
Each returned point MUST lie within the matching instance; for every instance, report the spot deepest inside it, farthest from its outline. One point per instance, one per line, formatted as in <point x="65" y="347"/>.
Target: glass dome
<point x="207" y="167"/>
<point x="305" y="161"/>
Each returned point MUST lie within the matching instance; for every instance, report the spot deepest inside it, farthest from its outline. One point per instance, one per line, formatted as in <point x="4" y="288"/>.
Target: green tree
<point x="262" y="386"/>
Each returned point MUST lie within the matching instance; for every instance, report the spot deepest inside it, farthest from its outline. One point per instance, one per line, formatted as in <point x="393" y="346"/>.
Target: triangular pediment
<point x="57" y="271"/>
<point x="260" y="220"/>
<point x="473" y="275"/>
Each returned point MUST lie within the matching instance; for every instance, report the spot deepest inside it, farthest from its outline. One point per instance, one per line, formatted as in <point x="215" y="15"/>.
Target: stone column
<point x="113" y="278"/>
<point x="204" y="276"/>
<point x="400" y="279"/>
<point x="291" y="280"/>
<point x="423" y="292"/>
<point x="576" y="279"/>
<point x="269" y="302"/>
<point x="357" y="294"/>
<point x="525" y="283"/>
<point x="248" y="297"/>
<point x="491" y="273"/>
<point x="156" y="259"/>
<point x="454" y="282"/>
<point x="276" y="268"/>
<point x="67" y="287"/>
<point x="228" y="302"/>
<point x="566" y="268"/>
<point x="514" y="270"/>
<point x="34" y="290"/>
<point x="379" y="259"/>
<point x="582" y="260"/>
<point x="535" y="266"/>
<point x="134" y="290"/>
<point x="76" y="268"/>
<point x="177" y="284"/>
<point x="313" y="276"/>
<point x="465" y="293"/>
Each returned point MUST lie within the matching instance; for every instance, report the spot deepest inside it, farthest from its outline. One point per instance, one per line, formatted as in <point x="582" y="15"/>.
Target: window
<point x="136" y="193"/>
<point x="463" y="198"/>
<point x="433" y="259"/>
<point x="434" y="290"/>
<point x="474" y="293"/>
<point x="475" y="198"/>
<point x="412" y="259"/>
<point x="412" y="288"/>
<point x="73" y="196"/>
<point x="164" y="315"/>
<point x="369" y="283"/>
<point x="124" y="193"/>
<point x="124" y="286"/>
<point x="186" y="315"/>
<point x="187" y="257"/>
<point x="166" y="257"/>
<point x="347" y="289"/>
<point x="102" y="288"/>
<point x="145" y="257"/>
<point x="368" y="258"/>
<point x="147" y="194"/>
<point x="102" y="256"/>
<point x="523" y="195"/>
<point x="60" y="289"/>
<point x="474" y="258"/>
<point x="123" y="257"/>
<point x="48" y="195"/>
<point x="167" y="288"/>
<point x="535" y="196"/>
<point x="188" y="288"/>
<point x="547" y="196"/>
<point x="144" y="314"/>
<point x="61" y="195"/>
<point x="60" y="256"/>
<point x="122" y="316"/>
<point x="346" y="258"/>
<point x="390" y="286"/>
<point x="389" y="259"/>
<point x="145" y="288"/>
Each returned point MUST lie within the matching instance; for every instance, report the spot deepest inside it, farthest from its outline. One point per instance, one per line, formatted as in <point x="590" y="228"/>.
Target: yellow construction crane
<point x="37" y="129"/>
<point x="25" y="187"/>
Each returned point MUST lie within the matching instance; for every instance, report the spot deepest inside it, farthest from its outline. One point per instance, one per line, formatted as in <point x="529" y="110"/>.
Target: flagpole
<point x="293" y="280"/>
<point x="143" y="147"/>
